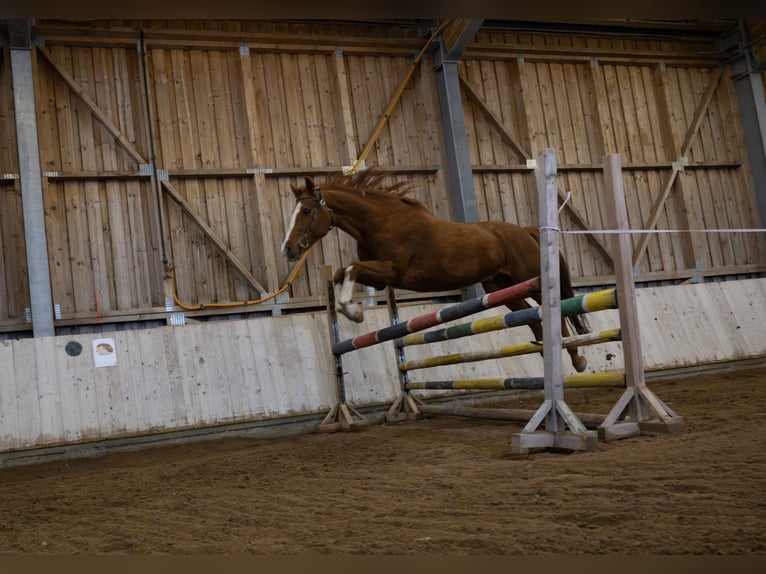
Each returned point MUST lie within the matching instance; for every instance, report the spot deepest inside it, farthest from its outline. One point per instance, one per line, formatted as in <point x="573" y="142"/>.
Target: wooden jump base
<point x="575" y="381"/>
<point x="590" y="420"/>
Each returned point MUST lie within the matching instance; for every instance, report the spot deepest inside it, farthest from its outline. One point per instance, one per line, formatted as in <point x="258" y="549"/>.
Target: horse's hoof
<point x="580" y="363"/>
<point x="351" y="312"/>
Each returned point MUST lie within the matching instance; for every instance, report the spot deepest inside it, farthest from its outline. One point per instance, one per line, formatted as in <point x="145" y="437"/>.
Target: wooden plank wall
<point x="585" y="97"/>
<point x="198" y="376"/>
<point x="240" y="110"/>
<point x="14" y="289"/>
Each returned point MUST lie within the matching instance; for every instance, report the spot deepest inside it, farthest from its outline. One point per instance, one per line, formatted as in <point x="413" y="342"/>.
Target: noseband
<point x="303" y="243"/>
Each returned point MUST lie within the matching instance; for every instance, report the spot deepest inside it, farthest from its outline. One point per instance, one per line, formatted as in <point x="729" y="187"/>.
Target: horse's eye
<point x="306" y="211"/>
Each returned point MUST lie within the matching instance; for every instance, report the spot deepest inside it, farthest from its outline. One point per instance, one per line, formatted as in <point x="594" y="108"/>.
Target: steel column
<point x="31" y="181"/>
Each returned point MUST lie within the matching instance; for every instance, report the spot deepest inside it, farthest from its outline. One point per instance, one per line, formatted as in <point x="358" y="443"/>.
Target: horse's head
<point x="310" y="221"/>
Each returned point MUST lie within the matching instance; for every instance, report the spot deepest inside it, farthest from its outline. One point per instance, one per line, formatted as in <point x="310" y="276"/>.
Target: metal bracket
<point x="347" y="168"/>
<point x="177" y="319"/>
<point x="244" y="50"/>
<point x="254" y="170"/>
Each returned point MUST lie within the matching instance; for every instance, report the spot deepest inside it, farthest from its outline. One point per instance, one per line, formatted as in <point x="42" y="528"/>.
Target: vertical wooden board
<point x="195" y="264"/>
<point x="559" y="114"/>
<point x="322" y="358"/>
<point x="245" y="387"/>
<point x="602" y="110"/>
<point x="30" y="391"/>
<point x="578" y="130"/>
<point x="502" y="153"/>
<point x="414" y="121"/>
<point x="91" y="399"/>
<point x="391" y="142"/>
<point x="270" y="391"/>
<point x="131" y="380"/>
<point x="364" y="121"/>
<point x="121" y="288"/>
<point x="325" y="110"/>
<point x="237" y="111"/>
<point x="264" y="146"/>
<point x="275" y="95"/>
<point x="312" y="362"/>
<point x="153" y="394"/>
<point x="79" y="410"/>
<point x="177" y="385"/>
<point x="291" y="370"/>
<point x="220" y="100"/>
<point x="110" y="414"/>
<point x="59" y="412"/>
<point x="294" y="104"/>
<point x="316" y="141"/>
<point x="10" y="415"/>
<point x="143" y="262"/>
<point x="236" y="405"/>
<point x="210" y="352"/>
<point x="744" y="301"/>
<point x="195" y="405"/>
<point x="204" y="129"/>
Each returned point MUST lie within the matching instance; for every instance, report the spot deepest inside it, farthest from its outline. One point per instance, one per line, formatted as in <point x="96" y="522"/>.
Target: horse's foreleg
<point x="376" y="274"/>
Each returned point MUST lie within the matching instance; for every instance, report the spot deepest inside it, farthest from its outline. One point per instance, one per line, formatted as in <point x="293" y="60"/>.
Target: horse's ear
<point x="309" y="185"/>
<point x="296" y="191"/>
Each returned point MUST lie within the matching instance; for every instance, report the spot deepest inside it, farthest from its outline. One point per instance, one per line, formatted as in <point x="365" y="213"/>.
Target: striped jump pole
<point x="457" y="311"/>
<point x="586" y="303"/>
<point x="575" y="381"/>
<point x="509" y="351"/>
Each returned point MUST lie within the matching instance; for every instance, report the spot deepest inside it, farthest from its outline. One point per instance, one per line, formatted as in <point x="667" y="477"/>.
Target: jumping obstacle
<point x="553" y="424"/>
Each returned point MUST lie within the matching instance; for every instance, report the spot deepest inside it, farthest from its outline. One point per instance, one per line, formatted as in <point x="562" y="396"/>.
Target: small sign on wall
<point x="104" y="353"/>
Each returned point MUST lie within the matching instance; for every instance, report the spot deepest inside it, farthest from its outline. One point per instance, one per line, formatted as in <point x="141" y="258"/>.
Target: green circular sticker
<point x="73" y="348"/>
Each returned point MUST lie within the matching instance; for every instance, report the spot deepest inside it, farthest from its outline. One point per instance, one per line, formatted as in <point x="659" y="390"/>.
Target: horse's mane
<point x="371" y="180"/>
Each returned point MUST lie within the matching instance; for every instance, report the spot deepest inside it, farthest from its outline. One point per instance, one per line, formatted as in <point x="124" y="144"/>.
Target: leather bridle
<point x="319" y="199"/>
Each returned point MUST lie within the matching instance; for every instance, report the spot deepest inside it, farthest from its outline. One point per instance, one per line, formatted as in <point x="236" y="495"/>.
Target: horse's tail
<point x="579" y="322"/>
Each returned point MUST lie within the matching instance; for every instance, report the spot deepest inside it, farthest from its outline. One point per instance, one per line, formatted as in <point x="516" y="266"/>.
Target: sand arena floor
<point x="437" y="486"/>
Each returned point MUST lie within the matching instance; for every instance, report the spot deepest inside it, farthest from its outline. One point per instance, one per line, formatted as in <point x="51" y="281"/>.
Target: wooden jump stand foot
<point x="577" y="437"/>
<point x="644" y="413"/>
<point x="405" y="408"/>
<point x="342" y="417"/>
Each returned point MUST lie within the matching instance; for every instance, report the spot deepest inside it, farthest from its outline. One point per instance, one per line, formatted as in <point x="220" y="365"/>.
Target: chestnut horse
<point x="402" y="245"/>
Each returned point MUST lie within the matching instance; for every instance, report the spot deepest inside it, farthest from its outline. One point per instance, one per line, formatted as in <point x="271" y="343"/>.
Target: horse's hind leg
<point x="579" y="362"/>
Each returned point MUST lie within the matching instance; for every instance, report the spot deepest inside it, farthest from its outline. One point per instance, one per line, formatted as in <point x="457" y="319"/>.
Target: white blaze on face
<point x="289" y="231"/>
